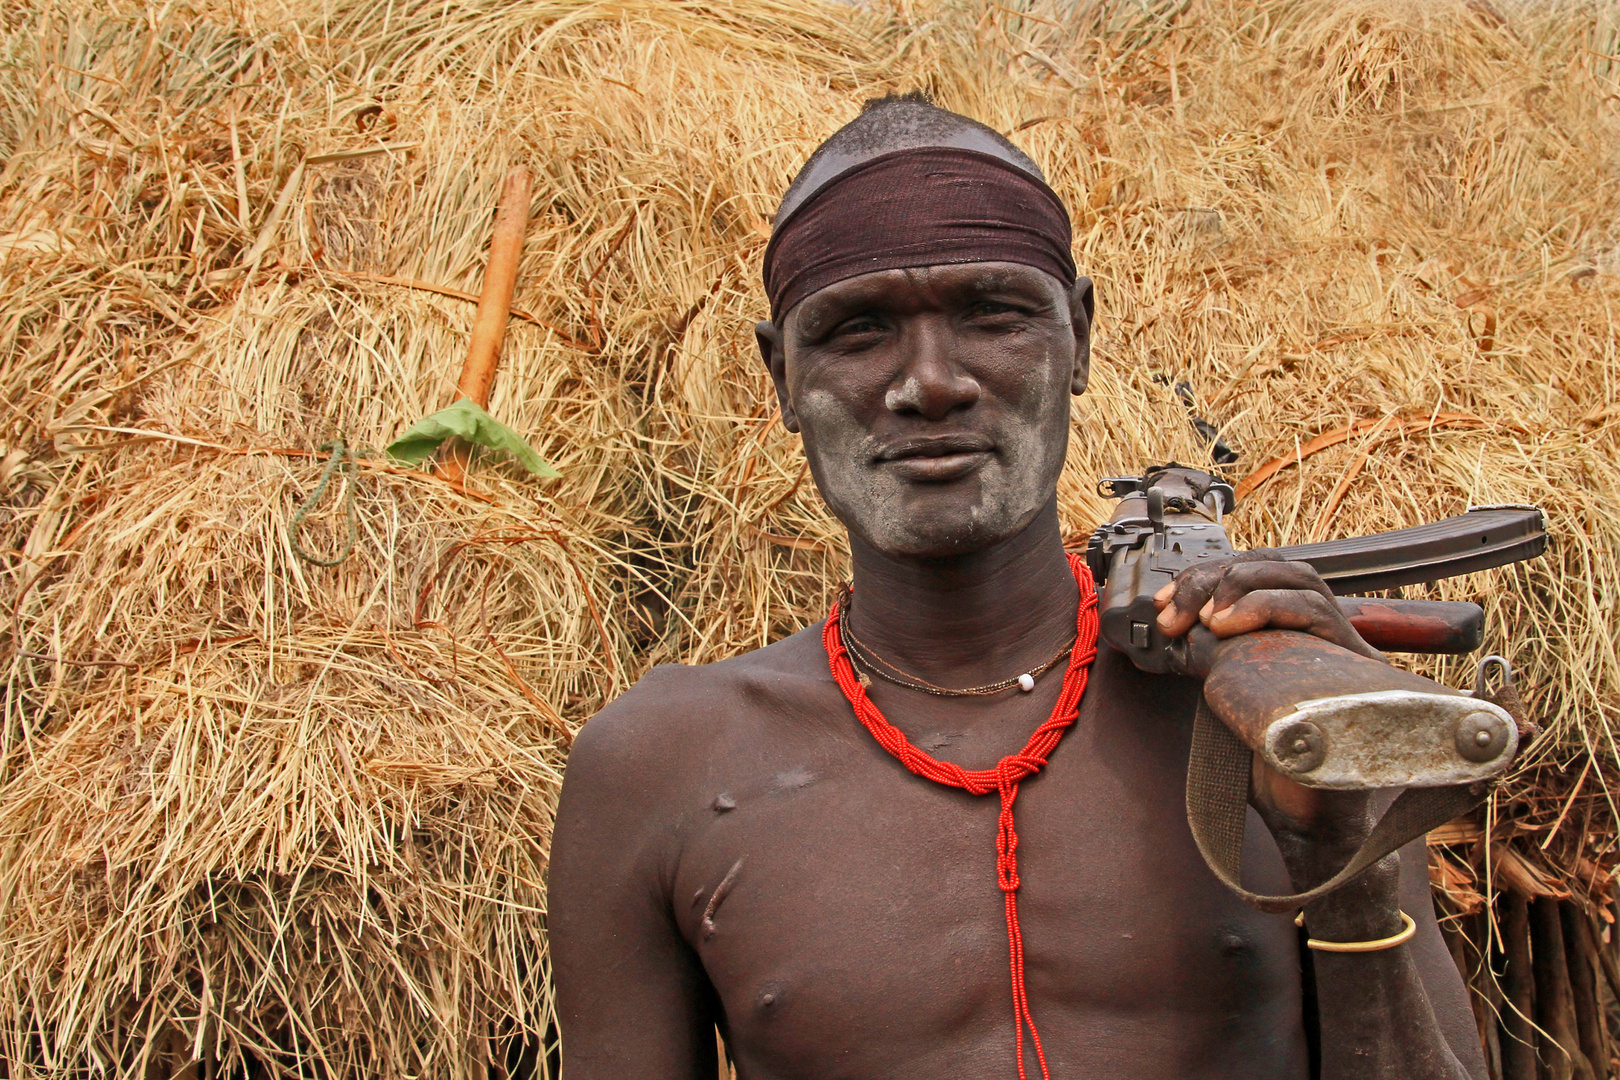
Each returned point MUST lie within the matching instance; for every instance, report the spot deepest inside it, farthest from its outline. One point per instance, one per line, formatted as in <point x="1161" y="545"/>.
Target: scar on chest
<point x="719" y="897"/>
<point x="793" y="779"/>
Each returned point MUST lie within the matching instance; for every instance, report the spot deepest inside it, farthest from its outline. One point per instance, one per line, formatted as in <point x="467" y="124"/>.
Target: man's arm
<point x="633" y="1001"/>
<point x="1394" y="1013"/>
<point x="1386" y="1014"/>
<point x="1375" y="1015"/>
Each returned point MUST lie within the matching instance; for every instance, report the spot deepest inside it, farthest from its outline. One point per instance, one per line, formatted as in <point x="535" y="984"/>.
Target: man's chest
<point x="839" y="903"/>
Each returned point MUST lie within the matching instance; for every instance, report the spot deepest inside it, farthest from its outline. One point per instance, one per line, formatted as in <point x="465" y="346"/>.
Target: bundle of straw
<point x="259" y="812"/>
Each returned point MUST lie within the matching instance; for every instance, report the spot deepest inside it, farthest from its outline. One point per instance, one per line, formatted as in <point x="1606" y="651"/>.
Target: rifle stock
<point x="1329" y="718"/>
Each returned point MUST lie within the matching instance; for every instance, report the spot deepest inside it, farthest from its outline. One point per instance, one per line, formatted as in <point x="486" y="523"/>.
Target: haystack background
<point x="261" y="813"/>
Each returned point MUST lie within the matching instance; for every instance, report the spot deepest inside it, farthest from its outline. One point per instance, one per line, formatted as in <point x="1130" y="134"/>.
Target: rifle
<point x="1318" y="713"/>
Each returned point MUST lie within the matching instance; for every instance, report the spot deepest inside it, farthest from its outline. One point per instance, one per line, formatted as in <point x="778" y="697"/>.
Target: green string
<point x="342" y="459"/>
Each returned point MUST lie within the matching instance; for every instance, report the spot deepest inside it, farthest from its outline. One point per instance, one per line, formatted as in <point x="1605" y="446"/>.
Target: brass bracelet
<point x="1401" y="937"/>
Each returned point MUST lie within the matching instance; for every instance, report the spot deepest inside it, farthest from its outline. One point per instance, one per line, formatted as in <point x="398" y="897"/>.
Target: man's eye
<point x="985" y="308"/>
<point x="865" y="324"/>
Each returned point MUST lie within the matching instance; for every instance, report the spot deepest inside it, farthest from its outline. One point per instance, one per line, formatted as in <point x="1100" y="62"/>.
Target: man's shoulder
<point x="676" y="710"/>
<point x="673" y="693"/>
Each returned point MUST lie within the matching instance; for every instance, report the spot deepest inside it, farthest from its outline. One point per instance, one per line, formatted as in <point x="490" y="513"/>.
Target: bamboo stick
<point x="494" y="305"/>
<point x="1518" y="1039"/>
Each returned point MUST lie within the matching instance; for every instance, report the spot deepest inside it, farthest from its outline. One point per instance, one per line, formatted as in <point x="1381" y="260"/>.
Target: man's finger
<point x="1288" y="609"/>
<point x="1190" y="591"/>
<point x="1249" y="577"/>
<point x="1181" y="600"/>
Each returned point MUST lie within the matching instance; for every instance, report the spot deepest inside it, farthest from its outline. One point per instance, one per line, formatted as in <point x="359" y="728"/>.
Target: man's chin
<point x="907" y="519"/>
<point x="939" y="535"/>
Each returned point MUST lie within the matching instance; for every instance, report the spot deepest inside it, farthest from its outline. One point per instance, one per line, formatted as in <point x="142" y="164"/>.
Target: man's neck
<point x="968" y="619"/>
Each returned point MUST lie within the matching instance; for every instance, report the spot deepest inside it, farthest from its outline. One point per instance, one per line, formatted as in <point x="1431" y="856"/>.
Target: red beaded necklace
<point x="1003" y="778"/>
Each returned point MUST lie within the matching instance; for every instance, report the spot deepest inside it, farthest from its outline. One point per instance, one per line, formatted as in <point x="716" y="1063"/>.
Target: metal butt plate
<point x="1391" y="738"/>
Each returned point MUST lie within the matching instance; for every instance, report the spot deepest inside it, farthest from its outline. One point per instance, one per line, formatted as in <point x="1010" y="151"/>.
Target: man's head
<point x="894" y="123"/>
<point x="927" y="329"/>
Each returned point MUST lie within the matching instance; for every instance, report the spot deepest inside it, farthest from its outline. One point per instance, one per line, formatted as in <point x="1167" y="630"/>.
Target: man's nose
<point x="930" y="382"/>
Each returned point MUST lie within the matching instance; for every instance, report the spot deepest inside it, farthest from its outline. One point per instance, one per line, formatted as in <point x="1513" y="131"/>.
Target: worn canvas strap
<point x="1218" y="792"/>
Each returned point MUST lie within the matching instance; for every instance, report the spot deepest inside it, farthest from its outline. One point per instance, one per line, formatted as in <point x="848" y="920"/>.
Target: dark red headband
<point x="924" y="206"/>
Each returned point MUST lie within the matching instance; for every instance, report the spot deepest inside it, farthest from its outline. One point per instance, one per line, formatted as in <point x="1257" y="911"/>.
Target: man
<point x="786" y="844"/>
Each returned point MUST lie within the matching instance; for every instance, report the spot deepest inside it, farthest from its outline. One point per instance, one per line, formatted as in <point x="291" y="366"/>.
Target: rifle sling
<point x="1218" y="793"/>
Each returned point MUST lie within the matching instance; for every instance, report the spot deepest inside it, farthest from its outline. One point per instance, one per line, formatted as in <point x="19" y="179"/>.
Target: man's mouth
<point x="937" y="459"/>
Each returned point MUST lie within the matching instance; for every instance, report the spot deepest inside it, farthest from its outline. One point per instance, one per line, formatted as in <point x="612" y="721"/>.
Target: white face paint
<point x="853" y="417"/>
<point x="908" y="396"/>
<point x="899" y="516"/>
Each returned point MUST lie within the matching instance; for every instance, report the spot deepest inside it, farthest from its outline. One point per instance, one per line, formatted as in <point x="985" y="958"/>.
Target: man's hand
<point x="1253" y="591"/>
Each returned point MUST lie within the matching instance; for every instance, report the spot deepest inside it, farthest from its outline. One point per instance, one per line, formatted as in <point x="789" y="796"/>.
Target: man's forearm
<point x="1373" y="1009"/>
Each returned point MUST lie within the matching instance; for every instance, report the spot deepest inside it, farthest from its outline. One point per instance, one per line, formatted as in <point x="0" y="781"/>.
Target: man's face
<point x="934" y="402"/>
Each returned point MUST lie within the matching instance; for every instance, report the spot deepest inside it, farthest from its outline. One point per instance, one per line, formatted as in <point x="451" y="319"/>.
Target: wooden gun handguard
<point x="1452" y="627"/>
<point x="1283" y="693"/>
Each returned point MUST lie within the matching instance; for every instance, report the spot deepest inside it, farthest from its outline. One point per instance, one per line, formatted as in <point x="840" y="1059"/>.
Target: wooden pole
<point x="1488" y="995"/>
<point x="500" y="282"/>
<point x="1605" y="955"/>
<point x="1578" y="941"/>
<point x="1554" y="1000"/>
<point x="1518" y="1039"/>
<point x="494" y="304"/>
<point x="1483" y="992"/>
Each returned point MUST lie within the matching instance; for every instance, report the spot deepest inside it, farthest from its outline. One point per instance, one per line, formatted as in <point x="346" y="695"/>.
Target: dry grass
<point x="257" y="808"/>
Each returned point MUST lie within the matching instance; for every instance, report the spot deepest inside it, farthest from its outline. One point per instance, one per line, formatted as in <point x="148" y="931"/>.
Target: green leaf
<point x="465" y="420"/>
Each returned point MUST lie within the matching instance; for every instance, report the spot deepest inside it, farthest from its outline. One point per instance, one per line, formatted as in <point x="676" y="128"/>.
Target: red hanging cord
<point x="1003" y="779"/>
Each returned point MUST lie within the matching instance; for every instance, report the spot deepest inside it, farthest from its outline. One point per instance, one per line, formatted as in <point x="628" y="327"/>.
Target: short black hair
<point x="892" y="121"/>
<point x="913" y="97"/>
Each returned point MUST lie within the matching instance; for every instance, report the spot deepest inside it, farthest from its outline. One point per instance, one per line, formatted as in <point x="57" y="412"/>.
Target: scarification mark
<point x="723" y="802"/>
<point x="697" y="898"/>
<point x="793" y="779"/>
<point x="718" y="898"/>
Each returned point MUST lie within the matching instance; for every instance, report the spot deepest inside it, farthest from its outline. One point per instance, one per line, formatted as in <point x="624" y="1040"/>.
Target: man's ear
<point x="1082" y="304"/>
<point x="770" y="351"/>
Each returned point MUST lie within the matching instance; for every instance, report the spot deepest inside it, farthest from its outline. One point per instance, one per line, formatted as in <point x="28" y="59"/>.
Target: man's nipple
<point x="770" y="999"/>
<point x="1234" y="944"/>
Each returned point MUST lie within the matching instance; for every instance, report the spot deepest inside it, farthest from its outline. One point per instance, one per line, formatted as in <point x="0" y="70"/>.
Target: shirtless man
<point x="736" y="848"/>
